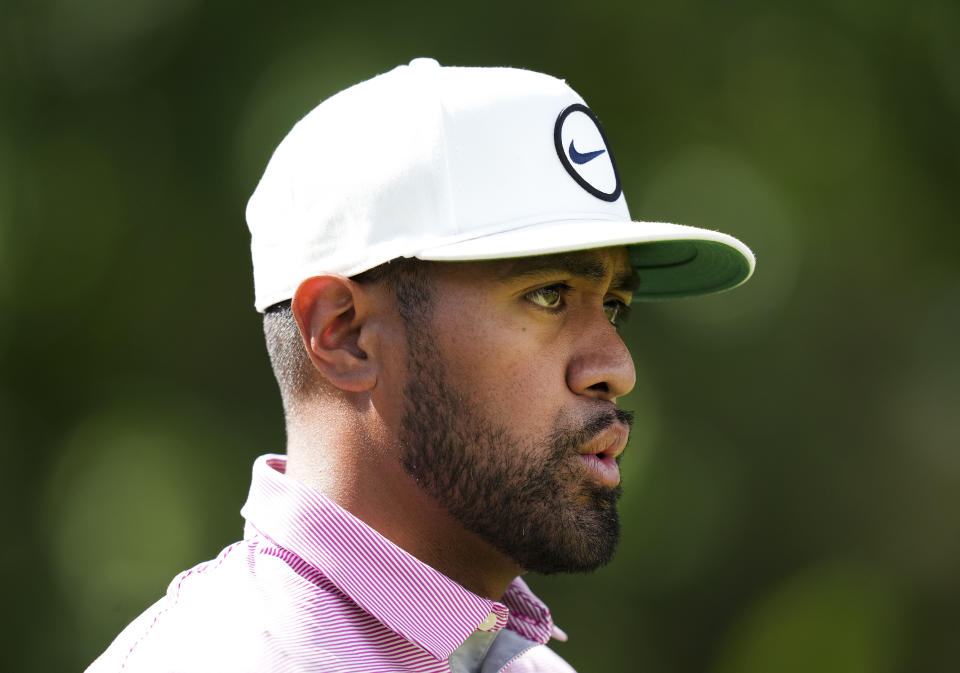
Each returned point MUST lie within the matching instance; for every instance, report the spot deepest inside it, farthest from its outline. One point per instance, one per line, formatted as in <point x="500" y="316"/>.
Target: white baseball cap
<point x="456" y="164"/>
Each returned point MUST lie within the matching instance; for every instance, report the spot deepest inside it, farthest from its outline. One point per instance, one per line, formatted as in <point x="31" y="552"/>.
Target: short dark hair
<point x="292" y="366"/>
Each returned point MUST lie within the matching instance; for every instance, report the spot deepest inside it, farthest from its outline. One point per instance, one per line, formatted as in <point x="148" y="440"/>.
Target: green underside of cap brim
<point x="671" y="260"/>
<point x="686" y="268"/>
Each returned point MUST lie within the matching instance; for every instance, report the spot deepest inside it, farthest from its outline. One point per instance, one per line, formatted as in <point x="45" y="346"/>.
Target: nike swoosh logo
<point x="578" y="158"/>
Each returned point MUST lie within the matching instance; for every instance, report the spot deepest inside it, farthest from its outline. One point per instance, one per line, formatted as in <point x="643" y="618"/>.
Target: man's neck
<point x="372" y="485"/>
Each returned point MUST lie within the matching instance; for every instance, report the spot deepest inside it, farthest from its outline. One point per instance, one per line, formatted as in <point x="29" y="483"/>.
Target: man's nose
<point x="602" y="367"/>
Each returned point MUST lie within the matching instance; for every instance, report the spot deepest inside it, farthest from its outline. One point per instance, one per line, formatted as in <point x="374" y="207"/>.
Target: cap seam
<point x="449" y="206"/>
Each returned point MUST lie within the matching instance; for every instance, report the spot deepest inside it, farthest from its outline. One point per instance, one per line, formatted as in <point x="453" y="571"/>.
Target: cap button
<point x="424" y="63"/>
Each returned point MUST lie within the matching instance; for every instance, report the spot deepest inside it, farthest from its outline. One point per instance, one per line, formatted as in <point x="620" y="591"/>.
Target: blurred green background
<point x="793" y="485"/>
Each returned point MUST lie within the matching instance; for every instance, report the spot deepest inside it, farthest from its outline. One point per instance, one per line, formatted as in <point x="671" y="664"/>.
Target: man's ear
<point x="331" y="313"/>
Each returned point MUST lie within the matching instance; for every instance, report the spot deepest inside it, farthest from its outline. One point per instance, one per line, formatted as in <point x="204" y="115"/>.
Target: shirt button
<point x="488" y="623"/>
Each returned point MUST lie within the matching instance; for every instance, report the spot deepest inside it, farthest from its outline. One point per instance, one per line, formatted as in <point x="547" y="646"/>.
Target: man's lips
<point x="599" y="455"/>
<point x="609" y="443"/>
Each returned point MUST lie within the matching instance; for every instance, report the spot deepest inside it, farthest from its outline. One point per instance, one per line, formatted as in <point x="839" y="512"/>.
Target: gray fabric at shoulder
<point x="533" y="657"/>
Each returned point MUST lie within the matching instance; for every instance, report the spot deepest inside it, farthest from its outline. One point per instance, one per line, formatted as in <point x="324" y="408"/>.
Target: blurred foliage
<point x="793" y="485"/>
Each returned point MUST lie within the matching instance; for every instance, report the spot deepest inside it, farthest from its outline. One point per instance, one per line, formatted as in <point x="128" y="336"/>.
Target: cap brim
<point x="672" y="260"/>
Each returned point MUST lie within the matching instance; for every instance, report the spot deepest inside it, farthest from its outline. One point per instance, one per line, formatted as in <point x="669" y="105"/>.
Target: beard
<point x="533" y="500"/>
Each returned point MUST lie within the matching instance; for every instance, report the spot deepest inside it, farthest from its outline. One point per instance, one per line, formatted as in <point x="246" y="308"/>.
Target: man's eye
<point x="550" y="296"/>
<point x="616" y="312"/>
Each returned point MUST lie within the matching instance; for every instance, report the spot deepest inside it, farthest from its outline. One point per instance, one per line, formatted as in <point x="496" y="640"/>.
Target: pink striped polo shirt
<point x="313" y="588"/>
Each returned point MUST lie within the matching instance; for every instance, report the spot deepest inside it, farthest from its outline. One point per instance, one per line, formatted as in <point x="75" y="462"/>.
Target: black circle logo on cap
<point x="584" y="152"/>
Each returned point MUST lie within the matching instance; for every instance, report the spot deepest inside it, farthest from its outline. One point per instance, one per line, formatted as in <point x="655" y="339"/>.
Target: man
<point x="443" y="256"/>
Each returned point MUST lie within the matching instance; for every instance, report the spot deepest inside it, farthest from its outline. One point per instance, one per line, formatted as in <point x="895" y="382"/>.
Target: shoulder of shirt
<point x="218" y="616"/>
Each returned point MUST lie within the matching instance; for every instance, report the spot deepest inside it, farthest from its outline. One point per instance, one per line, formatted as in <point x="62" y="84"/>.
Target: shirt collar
<point x="403" y="593"/>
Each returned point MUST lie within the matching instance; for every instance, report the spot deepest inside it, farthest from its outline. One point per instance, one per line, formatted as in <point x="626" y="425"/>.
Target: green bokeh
<point x="833" y="618"/>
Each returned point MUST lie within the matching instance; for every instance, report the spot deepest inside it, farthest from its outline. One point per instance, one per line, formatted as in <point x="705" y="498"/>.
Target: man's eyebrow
<point x="573" y="264"/>
<point x="627" y="280"/>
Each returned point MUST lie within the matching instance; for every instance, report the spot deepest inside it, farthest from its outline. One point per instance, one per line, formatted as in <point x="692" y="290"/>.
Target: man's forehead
<point x="596" y="265"/>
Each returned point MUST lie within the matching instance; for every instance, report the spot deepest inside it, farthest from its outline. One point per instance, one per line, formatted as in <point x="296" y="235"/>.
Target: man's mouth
<point x="600" y="454"/>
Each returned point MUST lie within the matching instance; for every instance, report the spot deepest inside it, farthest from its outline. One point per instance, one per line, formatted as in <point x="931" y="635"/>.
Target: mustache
<point x="595" y="426"/>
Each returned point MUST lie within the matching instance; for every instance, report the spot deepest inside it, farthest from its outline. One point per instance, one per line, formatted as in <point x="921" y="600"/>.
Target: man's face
<point x="509" y="417"/>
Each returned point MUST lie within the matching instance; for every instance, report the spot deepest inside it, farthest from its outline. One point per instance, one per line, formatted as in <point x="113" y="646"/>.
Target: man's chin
<point x="588" y="547"/>
<point x="599" y="556"/>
